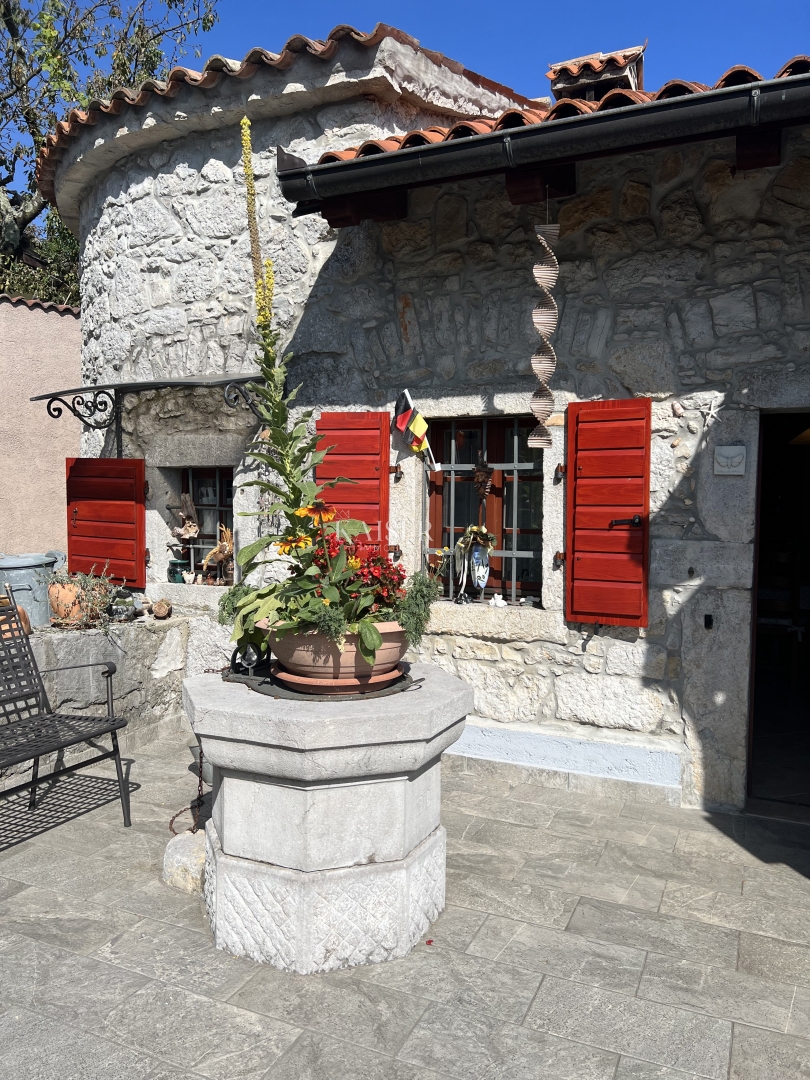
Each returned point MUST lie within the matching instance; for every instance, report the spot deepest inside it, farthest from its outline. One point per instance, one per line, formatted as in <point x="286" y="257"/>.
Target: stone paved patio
<point x="584" y="939"/>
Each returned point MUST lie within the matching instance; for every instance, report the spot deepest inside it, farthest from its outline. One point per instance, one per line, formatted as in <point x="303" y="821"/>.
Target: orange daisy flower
<point x="294" y="543"/>
<point x="318" y="510"/>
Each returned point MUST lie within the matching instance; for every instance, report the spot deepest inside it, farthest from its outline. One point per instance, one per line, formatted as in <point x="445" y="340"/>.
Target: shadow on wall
<point x="441" y="303"/>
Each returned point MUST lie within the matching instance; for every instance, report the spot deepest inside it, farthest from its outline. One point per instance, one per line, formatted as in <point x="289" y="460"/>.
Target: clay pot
<point x="315" y="656"/>
<point x="64" y="600"/>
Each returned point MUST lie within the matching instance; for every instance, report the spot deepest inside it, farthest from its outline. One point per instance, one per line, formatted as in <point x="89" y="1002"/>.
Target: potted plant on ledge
<point x="342" y="620"/>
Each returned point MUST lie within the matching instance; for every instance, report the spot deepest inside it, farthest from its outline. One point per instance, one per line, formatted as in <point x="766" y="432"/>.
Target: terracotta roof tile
<point x="519" y="118"/>
<point x="595" y="61"/>
<point x="423" y="137"/>
<point x="679" y="88"/>
<point x="464" y="129"/>
<point x="799" y="65"/>
<point x="379" y="146"/>
<point x="42" y="305"/>
<point x="739" y="75"/>
<point x="218" y="66"/>
<point x="620" y="99"/>
<point x="533" y="113"/>
<point x="571" y="107"/>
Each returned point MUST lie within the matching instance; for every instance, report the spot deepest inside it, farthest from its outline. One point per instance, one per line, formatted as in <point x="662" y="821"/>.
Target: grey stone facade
<point x="681" y="279"/>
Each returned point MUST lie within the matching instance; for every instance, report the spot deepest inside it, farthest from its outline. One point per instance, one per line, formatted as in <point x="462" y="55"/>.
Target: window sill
<point x="186" y="597"/>
<point x="497" y="624"/>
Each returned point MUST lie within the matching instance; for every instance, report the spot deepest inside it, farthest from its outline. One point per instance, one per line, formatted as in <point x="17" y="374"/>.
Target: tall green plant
<point x="334" y="586"/>
<point x="287" y="452"/>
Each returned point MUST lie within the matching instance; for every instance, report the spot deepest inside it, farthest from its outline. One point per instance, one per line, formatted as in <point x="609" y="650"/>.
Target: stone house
<point x="400" y="196"/>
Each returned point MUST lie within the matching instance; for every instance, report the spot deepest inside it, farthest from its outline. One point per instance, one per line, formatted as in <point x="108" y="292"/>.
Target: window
<point x="211" y="491"/>
<point x="511" y="509"/>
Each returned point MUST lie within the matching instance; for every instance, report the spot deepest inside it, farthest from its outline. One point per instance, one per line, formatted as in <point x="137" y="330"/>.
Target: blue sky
<point x="514" y="43"/>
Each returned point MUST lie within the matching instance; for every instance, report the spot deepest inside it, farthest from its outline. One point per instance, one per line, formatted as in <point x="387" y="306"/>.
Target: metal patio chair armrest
<point x="108" y="665"/>
<point x="108" y="672"/>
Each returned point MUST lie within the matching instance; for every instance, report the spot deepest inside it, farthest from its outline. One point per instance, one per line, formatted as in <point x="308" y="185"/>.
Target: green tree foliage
<point x="54" y="55"/>
<point x="49" y="269"/>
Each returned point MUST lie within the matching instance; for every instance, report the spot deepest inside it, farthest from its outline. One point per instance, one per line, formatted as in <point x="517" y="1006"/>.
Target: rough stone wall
<point x="681" y="279"/>
<point x="167" y="288"/>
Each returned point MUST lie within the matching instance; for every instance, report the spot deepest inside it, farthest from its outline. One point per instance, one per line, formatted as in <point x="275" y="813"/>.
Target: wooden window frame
<point x="504" y="473"/>
<point x="199" y="547"/>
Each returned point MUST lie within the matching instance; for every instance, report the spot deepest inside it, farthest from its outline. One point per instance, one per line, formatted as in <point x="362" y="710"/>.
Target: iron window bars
<point x="455" y="470"/>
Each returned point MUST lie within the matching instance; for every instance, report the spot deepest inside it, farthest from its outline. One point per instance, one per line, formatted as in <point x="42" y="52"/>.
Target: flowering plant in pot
<point x="343" y="610"/>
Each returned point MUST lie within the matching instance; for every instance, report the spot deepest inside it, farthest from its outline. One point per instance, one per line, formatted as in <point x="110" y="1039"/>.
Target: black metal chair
<point x="29" y="728"/>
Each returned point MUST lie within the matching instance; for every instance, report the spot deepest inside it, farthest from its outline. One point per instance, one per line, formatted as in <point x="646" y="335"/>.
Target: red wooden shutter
<point x="106" y="517"/>
<point x="361" y="450"/>
<point x="608" y="473"/>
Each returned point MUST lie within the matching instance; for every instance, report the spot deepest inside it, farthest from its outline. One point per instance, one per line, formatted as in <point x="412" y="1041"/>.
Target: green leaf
<point x="339" y="565"/>
<point x="370" y="640"/>
<point x="369" y="655"/>
<point x="250" y="551"/>
<point x="331" y="594"/>
<point x="347" y="528"/>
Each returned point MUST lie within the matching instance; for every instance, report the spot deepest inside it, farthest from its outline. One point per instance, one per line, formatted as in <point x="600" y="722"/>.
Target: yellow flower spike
<point x="250" y="189"/>
<point x="269" y="282"/>
<point x="326" y="602"/>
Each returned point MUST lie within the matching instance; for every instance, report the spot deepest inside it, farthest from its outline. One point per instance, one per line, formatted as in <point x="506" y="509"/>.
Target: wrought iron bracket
<point x="98" y="410"/>
<point x="236" y="393"/>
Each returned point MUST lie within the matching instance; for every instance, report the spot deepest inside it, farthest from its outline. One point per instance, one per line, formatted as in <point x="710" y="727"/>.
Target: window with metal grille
<point x="211" y="491"/>
<point x="509" y="505"/>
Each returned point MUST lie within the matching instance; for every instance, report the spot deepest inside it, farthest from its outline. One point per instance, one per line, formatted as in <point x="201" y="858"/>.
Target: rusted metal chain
<point x="196" y="806"/>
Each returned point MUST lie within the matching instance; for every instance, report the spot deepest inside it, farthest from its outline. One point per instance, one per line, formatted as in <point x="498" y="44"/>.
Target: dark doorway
<point x="780" y="738"/>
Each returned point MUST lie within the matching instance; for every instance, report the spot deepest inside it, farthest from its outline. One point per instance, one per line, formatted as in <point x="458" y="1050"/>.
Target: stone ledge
<point x="498" y="624"/>
<point x="653" y="764"/>
<point x="243" y="731"/>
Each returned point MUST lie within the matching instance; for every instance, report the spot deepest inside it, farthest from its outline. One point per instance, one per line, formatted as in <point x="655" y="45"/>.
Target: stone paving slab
<point x="584" y="938"/>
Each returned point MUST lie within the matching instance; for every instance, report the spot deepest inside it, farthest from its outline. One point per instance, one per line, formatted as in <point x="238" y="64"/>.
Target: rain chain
<point x="544" y="360"/>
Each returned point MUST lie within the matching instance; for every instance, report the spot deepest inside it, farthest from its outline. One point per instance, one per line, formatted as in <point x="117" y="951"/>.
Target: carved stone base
<point x="325" y="919"/>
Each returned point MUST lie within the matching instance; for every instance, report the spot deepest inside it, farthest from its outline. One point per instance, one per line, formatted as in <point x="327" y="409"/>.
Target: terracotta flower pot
<point x="64" y="600"/>
<point x="314" y="656"/>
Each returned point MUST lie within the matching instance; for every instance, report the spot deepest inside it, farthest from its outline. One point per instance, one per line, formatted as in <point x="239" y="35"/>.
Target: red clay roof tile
<point x="43" y="305"/>
<point x="799" y="65"/>
<point x="534" y="113"/>
<point x="679" y="88"/>
<point x="739" y="75"/>
<point x="620" y="99"/>
<point x="595" y="61"/>
<point x="216" y="67"/>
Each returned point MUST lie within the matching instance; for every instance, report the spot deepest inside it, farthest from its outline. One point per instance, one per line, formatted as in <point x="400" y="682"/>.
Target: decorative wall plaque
<point x="729" y="461"/>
